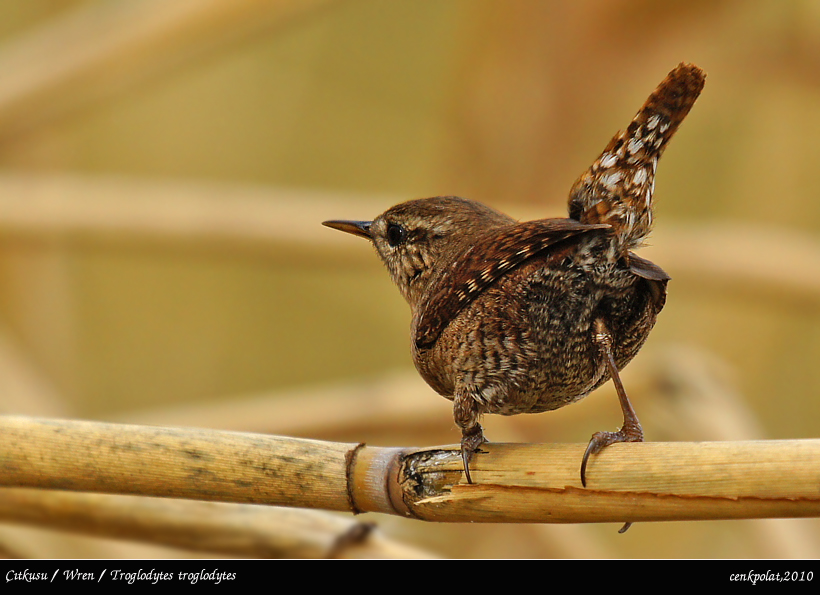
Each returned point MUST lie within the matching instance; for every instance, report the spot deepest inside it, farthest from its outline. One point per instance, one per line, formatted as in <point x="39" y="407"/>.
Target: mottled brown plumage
<point x="527" y="317"/>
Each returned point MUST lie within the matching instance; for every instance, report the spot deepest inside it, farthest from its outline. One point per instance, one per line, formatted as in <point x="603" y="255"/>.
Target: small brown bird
<point x="513" y="317"/>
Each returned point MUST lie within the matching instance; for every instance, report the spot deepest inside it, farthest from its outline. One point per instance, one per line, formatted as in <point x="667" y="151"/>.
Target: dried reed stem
<point x="515" y="482"/>
<point x="217" y="527"/>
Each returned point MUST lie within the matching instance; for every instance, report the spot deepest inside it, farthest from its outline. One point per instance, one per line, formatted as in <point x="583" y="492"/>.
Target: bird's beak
<point x="357" y="228"/>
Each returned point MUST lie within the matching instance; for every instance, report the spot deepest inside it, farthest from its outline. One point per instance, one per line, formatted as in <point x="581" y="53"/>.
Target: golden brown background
<point x="165" y="166"/>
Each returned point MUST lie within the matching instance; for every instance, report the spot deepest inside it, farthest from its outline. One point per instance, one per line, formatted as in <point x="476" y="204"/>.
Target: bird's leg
<point x="631" y="431"/>
<point x="466" y="414"/>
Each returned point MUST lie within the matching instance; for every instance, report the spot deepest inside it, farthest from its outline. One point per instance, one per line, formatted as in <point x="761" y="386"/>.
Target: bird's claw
<point x="470" y="441"/>
<point x="600" y="440"/>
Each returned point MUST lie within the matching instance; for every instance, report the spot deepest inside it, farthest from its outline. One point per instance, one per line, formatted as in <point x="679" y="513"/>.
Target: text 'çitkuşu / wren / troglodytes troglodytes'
<point x="513" y="317"/>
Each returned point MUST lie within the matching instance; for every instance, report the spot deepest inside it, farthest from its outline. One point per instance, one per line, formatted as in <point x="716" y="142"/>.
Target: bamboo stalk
<point x="514" y="482"/>
<point x="217" y="527"/>
<point x="632" y="482"/>
<point x="174" y="462"/>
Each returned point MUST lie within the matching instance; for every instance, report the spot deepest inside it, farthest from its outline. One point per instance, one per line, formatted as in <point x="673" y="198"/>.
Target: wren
<point x="512" y="317"/>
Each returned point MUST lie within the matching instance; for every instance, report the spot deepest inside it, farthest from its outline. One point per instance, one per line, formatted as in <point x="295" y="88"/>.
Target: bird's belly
<point x="529" y="352"/>
<point x="573" y="369"/>
<point x="509" y="382"/>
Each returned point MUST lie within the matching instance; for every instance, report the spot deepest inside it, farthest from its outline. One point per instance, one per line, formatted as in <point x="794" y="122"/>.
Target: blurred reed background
<point x="165" y="166"/>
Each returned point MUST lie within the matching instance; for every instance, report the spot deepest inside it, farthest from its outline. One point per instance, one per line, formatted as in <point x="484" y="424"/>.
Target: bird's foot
<point x="600" y="440"/>
<point x="471" y="439"/>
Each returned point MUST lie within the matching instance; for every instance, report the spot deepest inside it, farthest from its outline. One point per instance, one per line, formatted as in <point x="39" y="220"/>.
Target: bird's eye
<point x="396" y="234"/>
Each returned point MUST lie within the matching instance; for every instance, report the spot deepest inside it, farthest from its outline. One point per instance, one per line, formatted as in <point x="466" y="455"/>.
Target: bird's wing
<point x="472" y="271"/>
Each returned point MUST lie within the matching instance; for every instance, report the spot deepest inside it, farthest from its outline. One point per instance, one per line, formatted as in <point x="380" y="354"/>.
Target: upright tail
<point x="617" y="189"/>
